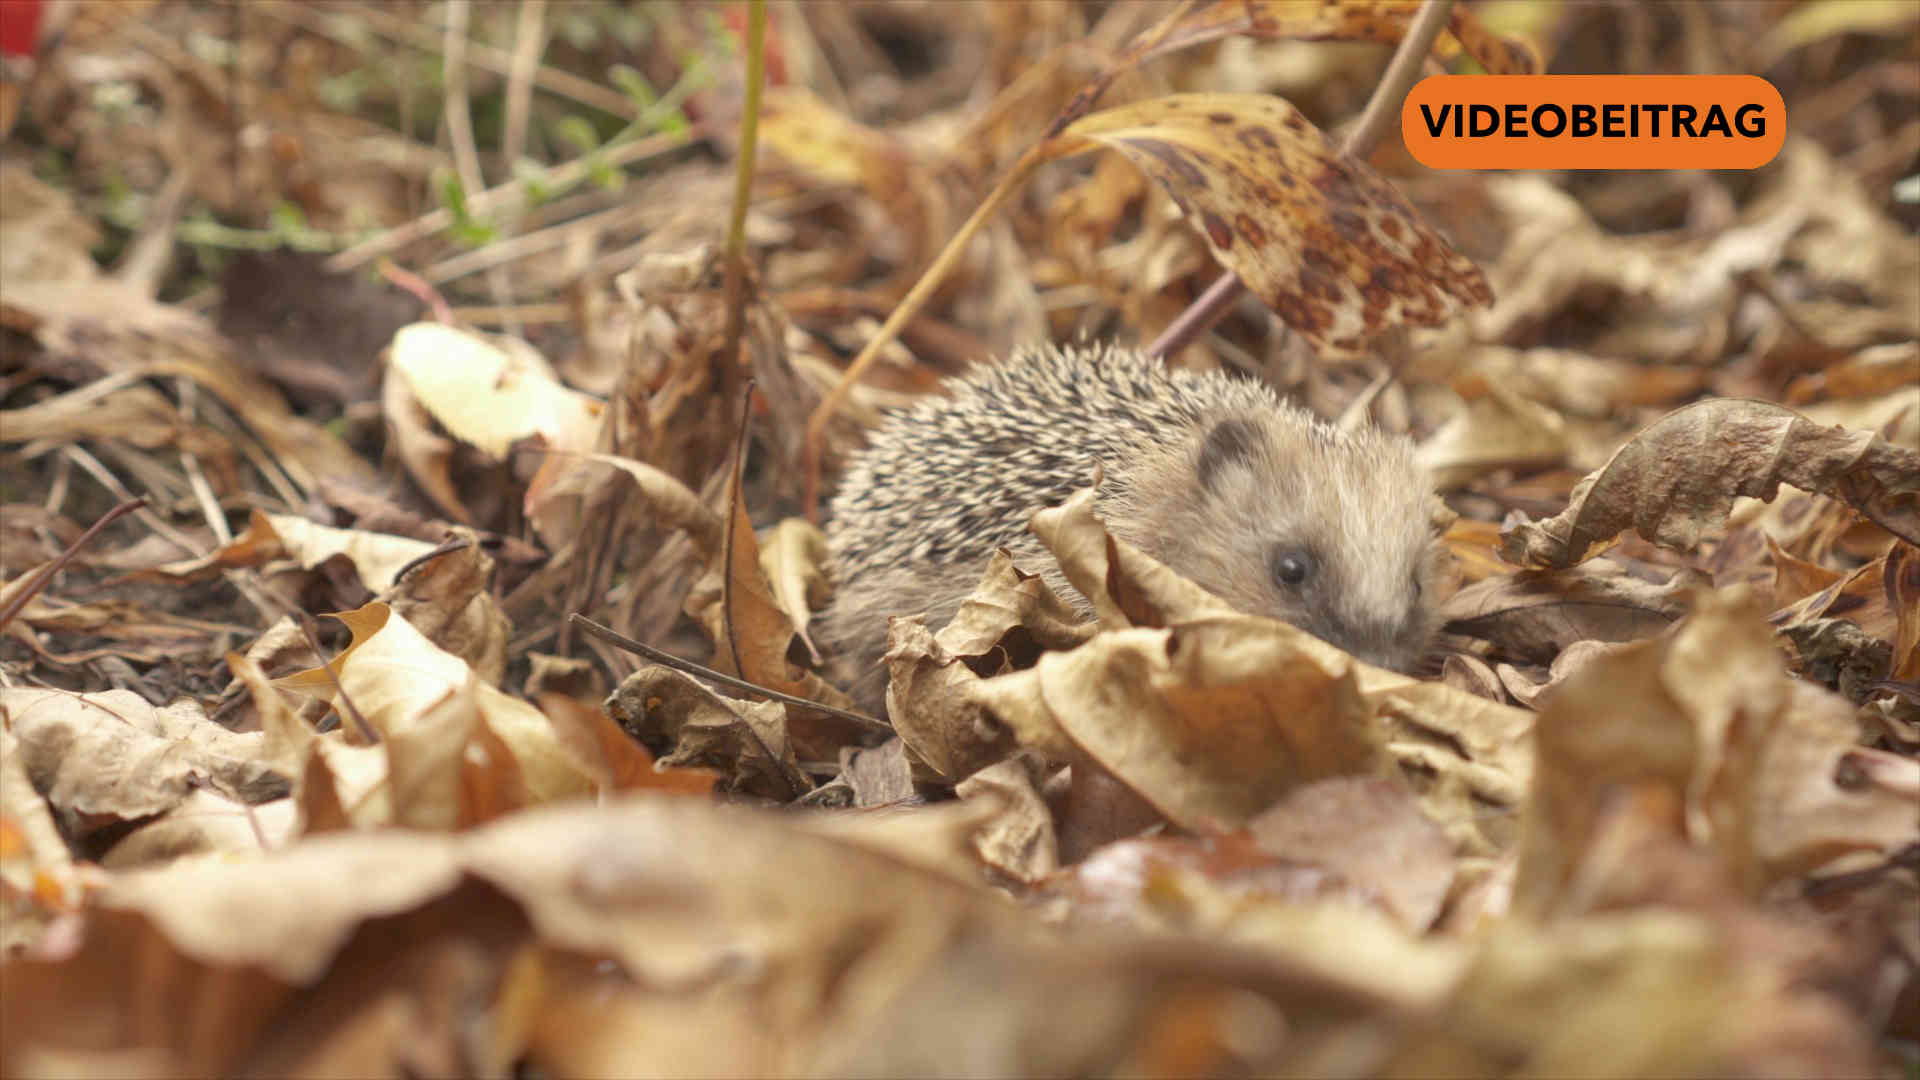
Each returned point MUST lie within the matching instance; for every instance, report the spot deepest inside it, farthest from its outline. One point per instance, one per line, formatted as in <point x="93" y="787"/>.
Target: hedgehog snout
<point x="1395" y="643"/>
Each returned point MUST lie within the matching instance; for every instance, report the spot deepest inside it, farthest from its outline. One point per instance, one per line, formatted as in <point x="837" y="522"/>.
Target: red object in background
<point x="19" y="26"/>
<point x="735" y="16"/>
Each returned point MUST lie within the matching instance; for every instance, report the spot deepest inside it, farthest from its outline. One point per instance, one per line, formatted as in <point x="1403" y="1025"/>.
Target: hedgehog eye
<point x="1291" y="566"/>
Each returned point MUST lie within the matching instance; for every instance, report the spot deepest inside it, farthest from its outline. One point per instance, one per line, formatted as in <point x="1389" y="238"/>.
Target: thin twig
<point x="446" y="547"/>
<point x="731" y="682"/>
<point x="196" y="476"/>
<point x="32" y="587"/>
<point x="511" y="248"/>
<point x="97" y="469"/>
<point x="305" y="622"/>
<point x="1374" y="123"/>
<point x="1383" y="109"/>
<point x="529" y="41"/>
<point x="456" y="113"/>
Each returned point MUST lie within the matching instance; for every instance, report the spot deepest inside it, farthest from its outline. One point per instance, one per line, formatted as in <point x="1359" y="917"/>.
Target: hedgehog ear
<point x="1231" y="443"/>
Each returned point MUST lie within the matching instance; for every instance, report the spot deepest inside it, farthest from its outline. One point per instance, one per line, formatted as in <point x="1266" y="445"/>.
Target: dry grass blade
<point x="1678" y="478"/>
<point x="736" y="265"/>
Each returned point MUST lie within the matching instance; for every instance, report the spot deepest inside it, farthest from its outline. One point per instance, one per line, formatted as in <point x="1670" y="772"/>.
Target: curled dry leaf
<point x="1370" y="831"/>
<point x="397" y="679"/>
<point x="1211" y="722"/>
<point x="449" y="600"/>
<point x="490" y="394"/>
<point x="38" y="877"/>
<point x="931" y="701"/>
<point x="1211" y="750"/>
<point x="1705" y="721"/>
<point x="1536" y="614"/>
<point x="702" y="729"/>
<point x="794" y="560"/>
<point x="673" y="503"/>
<point x="1678" y="478"/>
<point x="1321" y="238"/>
<point x="1124" y="585"/>
<point x="1018" y="839"/>
<point x="112" y="757"/>
<point x="1001" y="626"/>
<point x="377" y="557"/>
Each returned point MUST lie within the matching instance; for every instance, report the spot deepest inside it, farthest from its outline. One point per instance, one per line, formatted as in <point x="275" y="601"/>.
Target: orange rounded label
<point x="1593" y="122"/>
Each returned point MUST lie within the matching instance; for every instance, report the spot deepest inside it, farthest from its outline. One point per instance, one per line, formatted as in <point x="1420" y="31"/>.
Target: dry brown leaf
<point x="672" y="502"/>
<point x="704" y="730"/>
<point x="751" y="632"/>
<point x="1371" y="832"/>
<point x="449" y="599"/>
<point x="377" y="557"/>
<point x="612" y="757"/>
<point x="1222" y="884"/>
<point x="397" y="680"/>
<point x="39" y="881"/>
<point x="1902" y="586"/>
<point x="1018" y="840"/>
<point x="111" y="757"/>
<point x="426" y="454"/>
<point x="1678" y="478"/>
<point x="1795" y="579"/>
<point x="1706" y="723"/>
<point x="931" y="702"/>
<point x="490" y="393"/>
<point x="1495" y="431"/>
<point x="1630" y="994"/>
<point x="1007" y="599"/>
<point x="1574" y="383"/>
<point x="1535" y="614"/>
<point x="205" y="823"/>
<point x="1001" y="626"/>
<point x="1322" y="239"/>
<point x="1873" y="371"/>
<point x="794" y="560"/>
<point x="879" y="776"/>
<point x="1211" y="721"/>
<point x="836" y="151"/>
<point x="1125" y="587"/>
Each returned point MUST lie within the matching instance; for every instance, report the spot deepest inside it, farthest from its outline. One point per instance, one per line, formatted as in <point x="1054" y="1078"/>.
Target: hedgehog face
<point x="1326" y="530"/>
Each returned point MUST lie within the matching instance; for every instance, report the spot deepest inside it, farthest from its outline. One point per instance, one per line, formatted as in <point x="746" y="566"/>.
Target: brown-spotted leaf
<point x="1321" y="238"/>
<point x="1678" y="478"/>
<point x="1500" y="55"/>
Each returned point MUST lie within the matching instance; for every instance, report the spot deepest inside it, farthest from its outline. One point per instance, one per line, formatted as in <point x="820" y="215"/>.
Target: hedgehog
<point x="1266" y="506"/>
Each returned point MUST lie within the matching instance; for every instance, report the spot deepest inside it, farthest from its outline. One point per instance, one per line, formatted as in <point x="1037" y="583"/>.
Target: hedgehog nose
<point x="1379" y="644"/>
